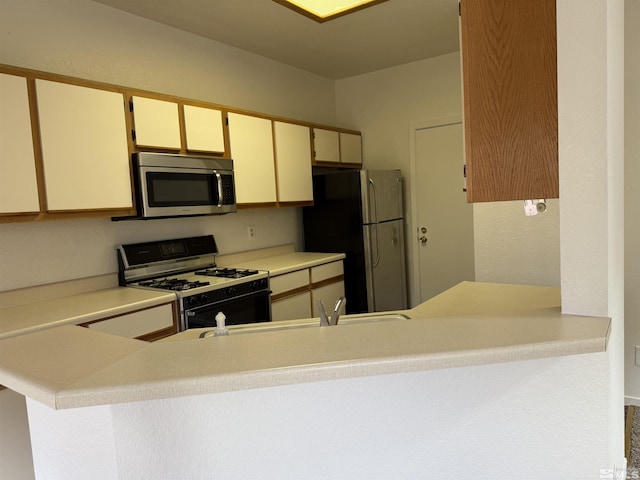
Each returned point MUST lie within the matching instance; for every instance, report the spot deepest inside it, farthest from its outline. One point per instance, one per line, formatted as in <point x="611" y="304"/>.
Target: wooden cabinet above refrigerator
<point x="509" y="70"/>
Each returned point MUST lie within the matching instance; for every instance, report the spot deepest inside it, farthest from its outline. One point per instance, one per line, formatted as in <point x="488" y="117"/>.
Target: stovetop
<point x="186" y="266"/>
<point x="226" y="272"/>
<point x="212" y="278"/>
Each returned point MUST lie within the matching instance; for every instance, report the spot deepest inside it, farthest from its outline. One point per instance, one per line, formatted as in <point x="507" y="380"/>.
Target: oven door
<point x="251" y="308"/>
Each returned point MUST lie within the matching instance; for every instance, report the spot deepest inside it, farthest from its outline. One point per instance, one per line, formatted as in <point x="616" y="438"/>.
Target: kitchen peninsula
<point x="302" y="403"/>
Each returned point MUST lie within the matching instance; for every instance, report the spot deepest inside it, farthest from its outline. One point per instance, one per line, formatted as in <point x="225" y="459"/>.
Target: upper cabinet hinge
<point x="226" y="120"/>
<point x="131" y="105"/>
<point x="459" y="10"/>
<point x="133" y="135"/>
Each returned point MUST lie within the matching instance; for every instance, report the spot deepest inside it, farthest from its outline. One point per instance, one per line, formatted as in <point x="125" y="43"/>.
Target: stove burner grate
<point x="173" y="284"/>
<point x="227" y="272"/>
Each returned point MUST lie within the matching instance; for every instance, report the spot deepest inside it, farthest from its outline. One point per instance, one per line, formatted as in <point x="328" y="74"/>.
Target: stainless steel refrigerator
<point x="359" y="213"/>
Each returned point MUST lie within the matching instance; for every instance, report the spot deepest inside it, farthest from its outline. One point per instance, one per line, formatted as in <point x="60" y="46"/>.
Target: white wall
<point x="89" y="40"/>
<point x="632" y="200"/>
<point x="509" y="247"/>
<point x="513" y="248"/>
<point x="591" y="149"/>
<point x="15" y="444"/>
<point x="539" y="419"/>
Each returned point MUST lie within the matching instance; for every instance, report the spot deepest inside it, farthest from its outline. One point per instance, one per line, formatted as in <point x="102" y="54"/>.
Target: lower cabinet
<point x="148" y="324"/>
<point x="328" y="294"/>
<point x="292" y="307"/>
<point x="296" y="294"/>
<point x="327" y="285"/>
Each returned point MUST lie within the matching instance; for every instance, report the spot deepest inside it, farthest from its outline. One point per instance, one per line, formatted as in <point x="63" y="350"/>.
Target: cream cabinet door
<point x="293" y="160"/>
<point x="292" y="308"/>
<point x="326" y="145"/>
<point x="203" y="129"/>
<point x="350" y="148"/>
<point x="251" y="142"/>
<point x="136" y="324"/>
<point x="18" y="181"/>
<point x="84" y="147"/>
<point x="156" y="123"/>
<point x="328" y="294"/>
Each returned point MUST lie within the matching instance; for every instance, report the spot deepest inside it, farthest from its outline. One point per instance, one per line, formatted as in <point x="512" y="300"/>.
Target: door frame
<point x="410" y="237"/>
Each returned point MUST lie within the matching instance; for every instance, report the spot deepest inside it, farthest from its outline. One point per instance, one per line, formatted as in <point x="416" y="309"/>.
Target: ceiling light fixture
<point x="323" y="10"/>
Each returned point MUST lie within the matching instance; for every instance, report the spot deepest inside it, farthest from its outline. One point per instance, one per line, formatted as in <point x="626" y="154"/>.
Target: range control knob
<point x="231" y="290"/>
<point x="191" y="301"/>
<point x="203" y="298"/>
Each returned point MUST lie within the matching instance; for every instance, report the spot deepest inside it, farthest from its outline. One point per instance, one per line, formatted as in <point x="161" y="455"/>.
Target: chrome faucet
<point x="326" y="321"/>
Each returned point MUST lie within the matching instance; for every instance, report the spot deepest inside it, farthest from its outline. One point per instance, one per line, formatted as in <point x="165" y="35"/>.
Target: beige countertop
<point x="75" y="309"/>
<point x="289" y="262"/>
<point x="470" y="324"/>
<point x="107" y="302"/>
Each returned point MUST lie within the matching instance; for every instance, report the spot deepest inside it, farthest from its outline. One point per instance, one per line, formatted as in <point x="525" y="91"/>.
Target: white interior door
<point x="444" y="231"/>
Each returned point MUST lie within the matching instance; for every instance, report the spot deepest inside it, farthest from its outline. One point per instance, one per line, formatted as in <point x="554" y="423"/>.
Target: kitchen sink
<point x="309" y="323"/>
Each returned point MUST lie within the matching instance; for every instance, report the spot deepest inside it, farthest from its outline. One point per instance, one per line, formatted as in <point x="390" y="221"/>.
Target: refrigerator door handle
<point x="376" y="257"/>
<point x="375" y="201"/>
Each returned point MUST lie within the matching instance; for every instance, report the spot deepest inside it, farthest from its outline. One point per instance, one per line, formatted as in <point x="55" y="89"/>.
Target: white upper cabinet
<point x="337" y="147"/>
<point x="18" y="182"/>
<point x="293" y="159"/>
<point x="84" y="147"/>
<point x="156" y="123"/>
<point x="326" y="145"/>
<point x="350" y="148"/>
<point x="251" y="143"/>
<point x="204" y="129"/>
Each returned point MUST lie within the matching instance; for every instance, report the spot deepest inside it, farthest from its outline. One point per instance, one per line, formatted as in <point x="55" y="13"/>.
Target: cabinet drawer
<point x="291" y="308"/>
<point x="328" y="294"/>
<point x="137" y="324"/>
<point x="326" y="271"/>
<point x="289" y="281"/>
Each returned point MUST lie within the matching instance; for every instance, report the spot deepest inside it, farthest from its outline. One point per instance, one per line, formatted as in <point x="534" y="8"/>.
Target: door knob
<point x="423" y="239"/>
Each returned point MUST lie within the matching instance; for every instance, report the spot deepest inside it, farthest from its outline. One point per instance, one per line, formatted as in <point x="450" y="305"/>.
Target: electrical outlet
<point x="638" y="355"/>
<point x="251" y="232"/>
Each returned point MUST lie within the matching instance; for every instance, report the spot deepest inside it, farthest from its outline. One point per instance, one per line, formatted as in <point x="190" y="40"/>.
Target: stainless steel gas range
<point x="188" y="267"/>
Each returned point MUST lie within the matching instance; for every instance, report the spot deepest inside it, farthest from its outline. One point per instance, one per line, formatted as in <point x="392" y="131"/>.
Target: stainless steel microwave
<point x="170" y="185"/>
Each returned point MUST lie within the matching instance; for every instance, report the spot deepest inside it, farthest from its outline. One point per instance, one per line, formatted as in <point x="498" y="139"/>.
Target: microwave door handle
<point x="219" y="177"/>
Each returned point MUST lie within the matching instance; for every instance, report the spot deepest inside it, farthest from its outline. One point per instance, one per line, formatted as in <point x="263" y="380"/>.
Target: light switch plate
<point x="638" y="355"/>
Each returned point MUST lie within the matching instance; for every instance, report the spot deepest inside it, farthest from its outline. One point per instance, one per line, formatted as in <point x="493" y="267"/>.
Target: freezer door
<point x="385" y="266"/>
<point x="381" y="195"/>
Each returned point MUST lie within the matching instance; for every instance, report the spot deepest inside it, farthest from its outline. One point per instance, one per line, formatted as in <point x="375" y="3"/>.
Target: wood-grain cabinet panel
<point x="510" y="99"/>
